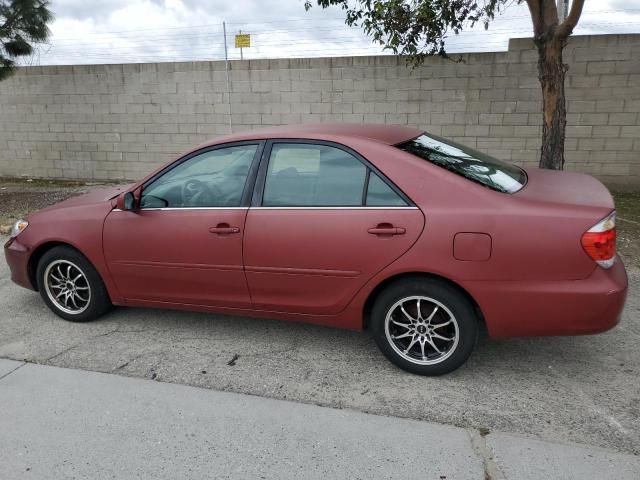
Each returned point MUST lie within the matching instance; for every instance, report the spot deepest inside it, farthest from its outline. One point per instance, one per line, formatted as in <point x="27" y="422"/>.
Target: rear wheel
<point x="424" y="326"/>
<point x="70" y="286"/>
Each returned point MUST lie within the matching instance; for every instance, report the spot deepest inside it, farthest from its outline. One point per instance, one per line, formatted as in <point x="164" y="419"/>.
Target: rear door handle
<point x="387" y="230"/>
<point x="224" y="229"/>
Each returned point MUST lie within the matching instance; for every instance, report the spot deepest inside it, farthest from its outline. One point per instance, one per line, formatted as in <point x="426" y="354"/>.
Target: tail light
<point x="600" y="241"/>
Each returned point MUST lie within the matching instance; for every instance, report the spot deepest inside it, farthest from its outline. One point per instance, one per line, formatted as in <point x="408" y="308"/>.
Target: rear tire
<point x="70" y="286"/>
<point x="424" y="326"/>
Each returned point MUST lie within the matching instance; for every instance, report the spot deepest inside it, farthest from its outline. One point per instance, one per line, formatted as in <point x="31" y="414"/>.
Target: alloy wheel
<point x="67" y="286"/>
<point x="422" y="330"/>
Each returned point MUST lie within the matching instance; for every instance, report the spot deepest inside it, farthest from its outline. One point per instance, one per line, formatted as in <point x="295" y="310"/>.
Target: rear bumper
<point x="572" y="307"/>
<point x="17" y="256"/>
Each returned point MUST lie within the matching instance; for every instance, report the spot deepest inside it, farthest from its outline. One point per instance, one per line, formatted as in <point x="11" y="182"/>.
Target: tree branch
<point x="536" y="18"/>
<point x="565" y="29"/>
<point x="550" y="13"/>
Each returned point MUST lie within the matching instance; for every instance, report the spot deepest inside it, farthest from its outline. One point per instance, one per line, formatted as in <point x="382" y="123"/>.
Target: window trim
<point x="249" y="183"/>
<point x="265" y="158"/>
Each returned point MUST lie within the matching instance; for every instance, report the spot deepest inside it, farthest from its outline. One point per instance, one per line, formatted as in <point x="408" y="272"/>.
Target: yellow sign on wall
<point x="243" y="40"/>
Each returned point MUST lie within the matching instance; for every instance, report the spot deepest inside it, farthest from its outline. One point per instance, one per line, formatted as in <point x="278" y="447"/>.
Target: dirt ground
<point x="19" y="197"/>
<point x="628" y="227"/>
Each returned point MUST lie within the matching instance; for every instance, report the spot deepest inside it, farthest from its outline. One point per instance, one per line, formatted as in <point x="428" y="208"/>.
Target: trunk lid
<point x="565" y="188"/>
<point x="559" y="208"/>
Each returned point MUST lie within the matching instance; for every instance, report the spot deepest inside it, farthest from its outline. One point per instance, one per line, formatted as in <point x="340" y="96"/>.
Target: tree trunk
<point x="551" y="72"/>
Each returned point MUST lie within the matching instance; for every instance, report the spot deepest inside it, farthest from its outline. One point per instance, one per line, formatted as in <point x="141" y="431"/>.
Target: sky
<point x="123" y="31"/>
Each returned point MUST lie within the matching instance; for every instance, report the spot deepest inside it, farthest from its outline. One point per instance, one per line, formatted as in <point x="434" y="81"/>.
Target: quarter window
<point x="379" y="194"/>
<point x="215" y="178"/>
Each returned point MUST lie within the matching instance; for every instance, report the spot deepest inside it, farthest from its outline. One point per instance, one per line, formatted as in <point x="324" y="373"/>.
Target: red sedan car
<point x="412" y="236"/>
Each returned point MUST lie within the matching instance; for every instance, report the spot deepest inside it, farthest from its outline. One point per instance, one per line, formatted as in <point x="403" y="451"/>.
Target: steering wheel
<point x="196" y="192"/>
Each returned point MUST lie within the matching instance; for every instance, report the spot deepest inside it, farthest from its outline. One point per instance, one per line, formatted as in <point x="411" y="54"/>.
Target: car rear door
<point x="323" y="221"/>
<point x="184" y="245"/>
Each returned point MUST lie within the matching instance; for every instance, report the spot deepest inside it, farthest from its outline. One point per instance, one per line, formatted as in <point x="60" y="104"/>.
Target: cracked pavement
<point x="568" y="389"/>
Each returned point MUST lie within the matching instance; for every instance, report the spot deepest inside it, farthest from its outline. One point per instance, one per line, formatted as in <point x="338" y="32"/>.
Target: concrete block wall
<point x="110" y="122"/>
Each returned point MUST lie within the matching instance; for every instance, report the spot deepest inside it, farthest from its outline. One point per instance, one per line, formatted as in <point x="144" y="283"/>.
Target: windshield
<point x="476" y="166"/>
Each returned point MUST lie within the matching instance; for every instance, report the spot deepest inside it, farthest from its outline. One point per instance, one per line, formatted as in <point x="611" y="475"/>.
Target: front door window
<point x="215" y="178"/>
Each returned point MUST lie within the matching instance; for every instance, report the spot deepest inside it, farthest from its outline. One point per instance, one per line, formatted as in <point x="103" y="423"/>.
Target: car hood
<point x="94" y="196"/>
<point x="565" y="188"/>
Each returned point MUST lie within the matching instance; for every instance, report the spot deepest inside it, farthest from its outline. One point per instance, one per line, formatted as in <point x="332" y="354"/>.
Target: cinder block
<point x="599" y="67"/>
<point x="459" y="106"/>
<point x="580" y="106"/>
<point x="408" y="107"/>
<point x="513" y="144"/>
<point x="528" y="106"/>
<point x="338" y="107"/>
<point x="353" y="118"/>
<point x="503" y="107"/>
<point x="582" y="81"/>
<point x="627" y="66"/>
<point x="592" y="119"/>
<point x="614" y="80"/>
<point x="363" y="107"/>
<point x="605" y="131"/>
<point x="491" y="118"/>
<point x="619" y="144"/>
<point x="442" y="118"/>
<point x="515" y="119"/>
<point x="591" y="144"/>
<point x="396" y="118"/>
<point x="582" y="131"/>
<point x="623" y="118"/>
<point x="384" y="107"/>
<point x="492" y="94"/>
<point x="374" y="118"/>
<point x="502" y="132"/>
<point x="476" y="131"/>
<point x="527" y="131"/>
<point x="452" y="130"/>
<point x="531" y="94"/>
<point x="615" y="169"/>
<point x="630" y="131"/>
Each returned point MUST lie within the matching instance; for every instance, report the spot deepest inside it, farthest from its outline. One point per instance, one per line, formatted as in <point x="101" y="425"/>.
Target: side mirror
<point x="129" y="200"/>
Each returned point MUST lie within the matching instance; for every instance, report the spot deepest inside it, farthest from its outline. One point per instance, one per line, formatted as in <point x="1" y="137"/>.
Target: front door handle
<point x="224" y="229"/>
<point x="387" y="229"/>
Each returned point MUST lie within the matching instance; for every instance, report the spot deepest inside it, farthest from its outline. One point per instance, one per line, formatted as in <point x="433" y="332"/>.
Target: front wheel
<point x="70" y="286"/>
<point x="424" y="326"/>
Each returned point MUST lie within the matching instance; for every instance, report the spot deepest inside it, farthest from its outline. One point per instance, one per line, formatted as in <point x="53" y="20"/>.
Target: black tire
<point x="450" y="302"/>
<point x="98" y="299"/>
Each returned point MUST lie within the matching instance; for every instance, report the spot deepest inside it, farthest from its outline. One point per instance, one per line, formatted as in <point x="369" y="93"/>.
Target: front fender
<point x="79" y="226"/>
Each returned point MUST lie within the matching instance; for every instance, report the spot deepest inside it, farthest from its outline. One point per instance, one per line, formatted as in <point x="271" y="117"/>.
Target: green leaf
<point x="416" y="28"/>
<point x="23" y="23"/>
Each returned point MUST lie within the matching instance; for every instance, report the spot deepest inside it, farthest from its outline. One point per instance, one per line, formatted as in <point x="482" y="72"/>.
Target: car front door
<point x="323" y="221"/>
<point x="184" y="244"/>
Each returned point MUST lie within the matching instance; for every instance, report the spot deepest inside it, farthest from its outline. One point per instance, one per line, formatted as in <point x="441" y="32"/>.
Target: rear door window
<point x="301" y="175"/>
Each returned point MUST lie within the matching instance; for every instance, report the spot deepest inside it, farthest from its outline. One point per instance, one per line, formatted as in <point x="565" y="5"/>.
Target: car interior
<point x="211" y="179"/>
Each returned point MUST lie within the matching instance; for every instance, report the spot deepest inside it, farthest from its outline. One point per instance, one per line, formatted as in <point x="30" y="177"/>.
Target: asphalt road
<point x="577" y="389"/>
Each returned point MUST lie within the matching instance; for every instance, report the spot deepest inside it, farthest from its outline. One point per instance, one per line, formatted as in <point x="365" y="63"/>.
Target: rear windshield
<point x="476" y="166"/>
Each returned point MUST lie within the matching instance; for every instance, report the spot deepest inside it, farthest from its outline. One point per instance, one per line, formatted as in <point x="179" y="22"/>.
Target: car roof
<point x="387" y="134"/>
